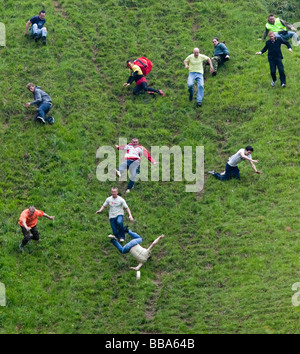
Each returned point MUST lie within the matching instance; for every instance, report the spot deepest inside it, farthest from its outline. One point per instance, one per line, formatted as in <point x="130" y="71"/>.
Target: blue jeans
<point x="136" y="240"/>
<point x="287" y="36"/>
<point x="200" y="84"/>
<point x="230" y="172"/>
<point x="117" y="226"/>
<point x="134" y="168"/>
<point x="39" y="32"/>
<point x="43" y="109"/>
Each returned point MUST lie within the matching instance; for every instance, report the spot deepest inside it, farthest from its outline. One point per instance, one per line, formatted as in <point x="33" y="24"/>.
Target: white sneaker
<point x="211" y="172"/>
<point x="273" y="83"/>
<point x="122" y="240"/>
<point x="282" y="85"/>
<point x="112" y="237"/>
<point x="127" y="190"/>
<point x="41" y="119"/>
<point x="118" y="173"/>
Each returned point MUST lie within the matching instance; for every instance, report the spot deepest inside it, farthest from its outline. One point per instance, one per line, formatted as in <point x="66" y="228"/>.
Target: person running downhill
<point x="28" y="221"/>
<point x="116" y="213"/>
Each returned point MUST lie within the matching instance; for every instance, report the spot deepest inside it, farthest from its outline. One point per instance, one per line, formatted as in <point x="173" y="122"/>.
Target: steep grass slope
<point x="231" y="252"/>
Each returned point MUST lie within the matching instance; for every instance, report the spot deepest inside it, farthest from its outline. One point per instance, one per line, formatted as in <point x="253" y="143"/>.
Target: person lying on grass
<point x="231" y="168"/>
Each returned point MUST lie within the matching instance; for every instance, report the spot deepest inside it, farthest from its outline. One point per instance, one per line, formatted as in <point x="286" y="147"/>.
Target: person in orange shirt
<point x="28" y="221"/>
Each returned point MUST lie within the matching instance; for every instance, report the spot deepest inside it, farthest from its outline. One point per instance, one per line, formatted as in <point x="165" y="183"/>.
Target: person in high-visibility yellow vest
<point x="281" y="28"/>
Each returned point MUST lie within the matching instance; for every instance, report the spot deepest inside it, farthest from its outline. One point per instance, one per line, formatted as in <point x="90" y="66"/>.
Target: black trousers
<point x="143" y="86"/>
<point x="33" y="234"/>
<point x="277" y="63"/>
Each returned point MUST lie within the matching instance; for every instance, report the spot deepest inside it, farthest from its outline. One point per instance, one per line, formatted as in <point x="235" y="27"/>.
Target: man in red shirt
<point x="133" y="155"/>
<point x="28" y="221"/>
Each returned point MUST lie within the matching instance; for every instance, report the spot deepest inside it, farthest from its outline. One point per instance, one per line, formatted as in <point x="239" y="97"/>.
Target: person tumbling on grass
<point x="37" y="29"/>
<point x="43" y="101"/>
<point x="220" y="55"/>
<point x="116" y="213"/>
<point x="28" y="221"/>
<point x="231" y="169"/>
<point x="134" y="152"/>
<point x="140" y="253"/>
<point x="136" y="75"/>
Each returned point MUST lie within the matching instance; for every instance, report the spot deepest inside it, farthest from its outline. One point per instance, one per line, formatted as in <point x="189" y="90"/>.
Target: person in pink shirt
<point x="134" y="153"/>
<point x="28" y="221"/>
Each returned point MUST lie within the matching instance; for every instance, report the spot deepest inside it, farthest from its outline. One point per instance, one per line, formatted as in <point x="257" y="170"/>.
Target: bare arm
<point x="129" y="213"/>
<point x="211" y="66"/>
<point x="186" y="64"/>
<point x="155" y="242"/>
<point x="25" y="225"/>
<point x="137" y="268"/>
<point x="247" y="158"/>
<point x="254" y="168"/>
<point x="27" y="26"/>
<point x="49" y="217"/>
<point x="100" y="210"/>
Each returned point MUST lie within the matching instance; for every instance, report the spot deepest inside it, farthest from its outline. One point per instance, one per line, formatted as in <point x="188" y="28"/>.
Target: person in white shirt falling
<point x="231" y="169"/>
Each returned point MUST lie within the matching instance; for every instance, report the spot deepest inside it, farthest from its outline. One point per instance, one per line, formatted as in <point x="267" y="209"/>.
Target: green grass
<point x="231" y="252"/>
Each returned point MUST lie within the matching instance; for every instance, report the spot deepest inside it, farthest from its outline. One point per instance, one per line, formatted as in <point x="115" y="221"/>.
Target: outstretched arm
<point x="100" y="210"/>
<point x="129" y="214"/>
<point x="48" y="217"/>
<point x="137" y="268"/>
<point x="155" y="242"/>
<point x="254" y="168"/>
<point x="148" y="156"/>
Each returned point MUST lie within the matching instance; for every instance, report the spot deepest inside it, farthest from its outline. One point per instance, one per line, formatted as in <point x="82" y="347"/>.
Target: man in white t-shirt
<point x="140" y="253"/>
<point x="231" y="169"/>
<point x="116" y="212"/>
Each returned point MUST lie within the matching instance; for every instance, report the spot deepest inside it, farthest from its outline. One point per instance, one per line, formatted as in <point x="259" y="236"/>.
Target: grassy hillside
<point x="231" y="252"/>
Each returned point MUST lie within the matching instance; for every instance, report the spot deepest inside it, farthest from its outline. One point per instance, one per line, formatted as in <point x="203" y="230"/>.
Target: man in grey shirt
<point x="231" y="169"/>
<point x="116" y="212"/>
<point x="43" y="101"/>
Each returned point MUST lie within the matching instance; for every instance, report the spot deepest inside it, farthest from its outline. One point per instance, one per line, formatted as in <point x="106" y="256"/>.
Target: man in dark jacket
<point x="273" y="45"/>
<point x="43" y="102"/>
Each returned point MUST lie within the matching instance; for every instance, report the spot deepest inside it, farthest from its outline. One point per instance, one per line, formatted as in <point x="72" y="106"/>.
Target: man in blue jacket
<point x="43" y="101"/>
<point x="220" y="55"/>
